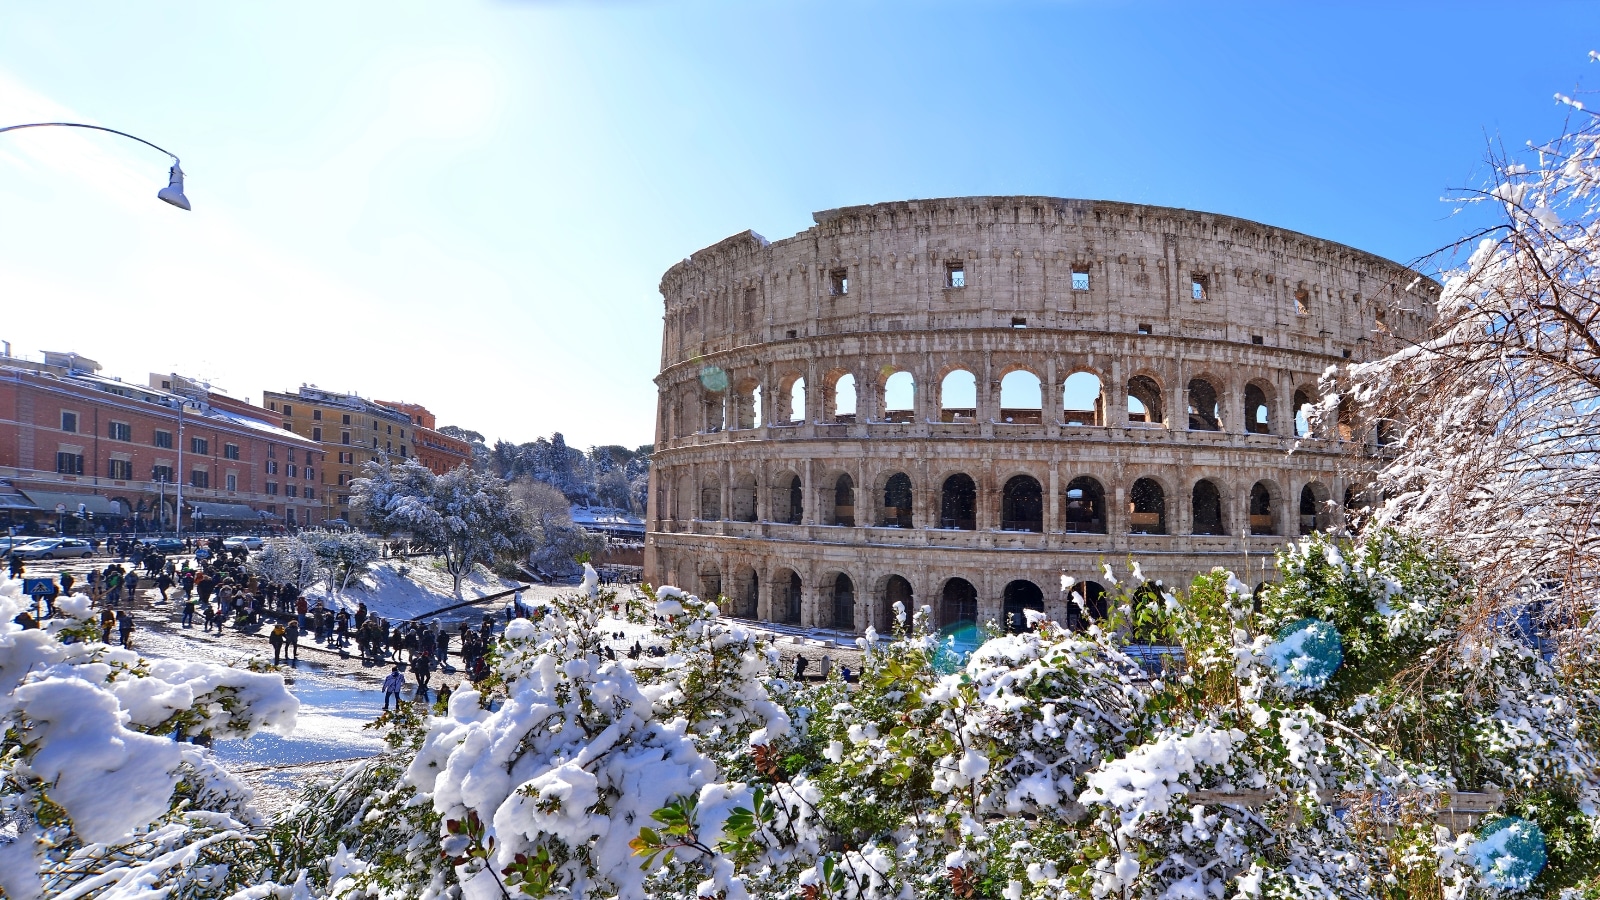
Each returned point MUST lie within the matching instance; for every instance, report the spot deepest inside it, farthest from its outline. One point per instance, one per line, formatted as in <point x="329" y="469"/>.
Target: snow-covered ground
<point x="422" y="589"/>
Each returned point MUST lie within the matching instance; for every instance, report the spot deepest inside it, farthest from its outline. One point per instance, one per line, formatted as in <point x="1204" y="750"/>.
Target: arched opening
<point x="1386" y="432"/>
<point x="1022" y="505"/>
<point x="743" y="499"/>
<point x="1302" y="414"/>
<point x="1205" y="413"/>
<point x="897" y="590"/>
<point x="959" y="603"/>
<point x="711" y="499"/>
<point x="1314" y="499"/>
<point x="958" y="397"/>
<point x="1086" y="603"/>
<point x="1207" y="508"/>
<point x="713" y="404"/>
<point x="1021" y="398"/>
<point x="844" y="602"/>
<point x="1082" y="400"/>
<point x="1144" y="401"/>
<point x="843" y="405"/>
<point x="1147" y="508"/>
<point x="685" y="499"/>
<point x="788" y="500"/>
<point x="1347" y="421"/>
<point x="786" y="598"/>
<point x="1086" y="506"/>
<point x="797" y="401"/>
<point x="1257" y="414"/>
<point x="958" y="503"/>
<point x="844" y="501"/>
<point x="896" y="511"/>
<point x="900" y="397"/>
<point x="1261" y="519"/>
<point x="747" y="594"/>
<point x="747" y="405"/>
<point x="1021" y="596"/>
<point x="710" y="582"/>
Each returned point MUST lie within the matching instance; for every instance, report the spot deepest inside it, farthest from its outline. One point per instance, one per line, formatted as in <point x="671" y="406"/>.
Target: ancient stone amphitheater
<point x="955" y="403"/>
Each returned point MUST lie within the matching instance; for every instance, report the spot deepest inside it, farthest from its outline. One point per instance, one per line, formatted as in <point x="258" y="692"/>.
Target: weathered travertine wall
<point x="1165" y="303"/>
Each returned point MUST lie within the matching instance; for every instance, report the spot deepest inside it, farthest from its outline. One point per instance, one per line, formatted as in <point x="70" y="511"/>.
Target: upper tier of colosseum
<point x="1001" y="262"/>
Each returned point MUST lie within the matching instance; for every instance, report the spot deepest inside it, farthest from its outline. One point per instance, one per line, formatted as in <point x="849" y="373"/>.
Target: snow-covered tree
<point x="556" y="543"/>
<point x="285" y="562"/>
<point x="339" y="557"/>
<point x="1497" y="412"/>
<point x="469" y="517"/>
<point x="102" y="791"/>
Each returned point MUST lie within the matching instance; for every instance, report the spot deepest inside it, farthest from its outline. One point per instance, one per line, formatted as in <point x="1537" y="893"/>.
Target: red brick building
<point x="439" y="452"/>
<point x="72" y="438"/>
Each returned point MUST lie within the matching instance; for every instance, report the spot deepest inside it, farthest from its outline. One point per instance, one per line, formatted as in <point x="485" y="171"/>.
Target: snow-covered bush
<point x="100" y="786"/>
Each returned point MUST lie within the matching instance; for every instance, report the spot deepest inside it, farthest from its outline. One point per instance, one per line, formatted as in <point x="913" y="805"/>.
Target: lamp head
<point x="173" y="192"/>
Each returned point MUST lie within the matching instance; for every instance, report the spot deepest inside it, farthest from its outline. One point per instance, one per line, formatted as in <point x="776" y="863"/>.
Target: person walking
<point x="125" y="627"/>
<point x="164" y="584"/>
<point x="188" y="612"/>
<point x="421" y="667"/>
<point x="392" y="686"/>
<point x="292" y="636"/>
<point x="276" y="637"/>
<point x="108" y="621"/>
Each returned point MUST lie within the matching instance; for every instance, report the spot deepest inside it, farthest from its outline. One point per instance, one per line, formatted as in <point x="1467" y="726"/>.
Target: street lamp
<point x="172" y="193"/>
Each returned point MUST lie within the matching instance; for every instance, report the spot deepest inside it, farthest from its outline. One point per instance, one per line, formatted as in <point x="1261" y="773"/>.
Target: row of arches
<point x="840" y="602"/>
<point x="734" y="404"/>
<point x="1021" y="505"/>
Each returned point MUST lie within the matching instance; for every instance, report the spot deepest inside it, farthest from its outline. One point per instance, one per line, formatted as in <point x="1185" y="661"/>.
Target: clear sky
<point x="469" y="205"/>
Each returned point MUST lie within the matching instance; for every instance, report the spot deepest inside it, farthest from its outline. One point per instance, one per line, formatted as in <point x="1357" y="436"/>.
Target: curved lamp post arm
<point x="172" y="193"/>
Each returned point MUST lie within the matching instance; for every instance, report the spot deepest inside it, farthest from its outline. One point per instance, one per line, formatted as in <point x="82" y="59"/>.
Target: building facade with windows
<point x="72" y="438"/>
<point x="350" y="429"/>
<point x="439" y="452"/>
<point x="973" y="404"/>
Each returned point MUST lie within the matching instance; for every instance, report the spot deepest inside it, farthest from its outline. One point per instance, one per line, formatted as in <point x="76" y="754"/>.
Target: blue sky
<point x="470" y="205"/>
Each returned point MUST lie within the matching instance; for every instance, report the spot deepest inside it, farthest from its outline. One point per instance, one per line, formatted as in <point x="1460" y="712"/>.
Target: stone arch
<point x="1265" y="501"/>
<point x="1083" y="400"/>
<point x="1207" y="506"/>
<point x="789" y="403"/>
<point x="1021" y="397"/>
<point x="788" y="498"/>
<point x="1205" y="404"/>
<point x="839" y="400"/>
<point x="1304" y="398"/>
<point x="747" y="404"/>
<point x="899" y="389"/>
<point x="958" y="602"/>
<point x="958" y="502"/>
<point x="1020" y="596"/>
<point x="1258" y="407"/>
<point x="1315" y="514"/>
<point x="686" y="500"/>
<point x="788" y="593"/>
<point x="1086" y="602"/>
<point x="958" y="396"/>
<point x="1147" y="507"/>
<point x="839" y="600"/>
<point x="743" y="498"/>
<point x="897" y="497"/>
<point x="894" y="589"/>
<point x="842" y="511"/>
<point x="1144" y="401"/>
<point x="710" y="498"/>
<point x="1085" y="509"/>
<point x="710" y="578"/>
<point x="1022" y="504"/>
<point x="714" y="407"/>
<point x="746" y="593"/>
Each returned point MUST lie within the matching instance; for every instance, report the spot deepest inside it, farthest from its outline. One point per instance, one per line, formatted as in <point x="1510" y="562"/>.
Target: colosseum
<point x="963" y="403"/>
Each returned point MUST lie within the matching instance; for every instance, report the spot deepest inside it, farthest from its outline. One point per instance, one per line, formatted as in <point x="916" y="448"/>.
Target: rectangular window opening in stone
<point x="1302" y="302"/>
<point x="1346" y="353"/>
<point x="839" y="282"/>
<point x="1080" y="279"/>
<point x="1257" y="339"/>
<point x="1019" y="322"/>
<point x="955" y="275"/>
<point x="1145" y="328"/>
<point x="793" y="334"/>
<point x="1198" y="286"/>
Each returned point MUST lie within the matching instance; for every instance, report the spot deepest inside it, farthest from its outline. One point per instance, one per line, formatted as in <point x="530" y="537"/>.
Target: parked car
<point x="247" y="541"/>
<point x="56" y="548"/>
<point x="164" y="544"/>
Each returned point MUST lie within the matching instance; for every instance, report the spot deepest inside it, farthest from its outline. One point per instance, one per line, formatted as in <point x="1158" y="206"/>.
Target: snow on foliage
<point x="95" y="791"/>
